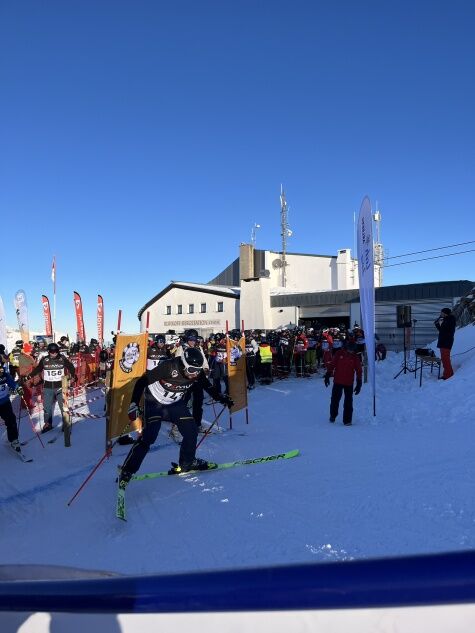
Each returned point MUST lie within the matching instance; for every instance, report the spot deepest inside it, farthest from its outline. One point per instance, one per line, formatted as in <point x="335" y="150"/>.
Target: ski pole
<point x="31" y="422"/>
<point x="208" y="430"/>
<point x="106" y="455"/>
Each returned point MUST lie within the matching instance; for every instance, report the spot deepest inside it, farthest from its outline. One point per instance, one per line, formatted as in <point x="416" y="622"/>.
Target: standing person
<point x="6" y="410"/>
<point x="219" y="369"/>
<point x="251" y="351"/>
<point x="345" y="364"/>
<point x="13" y="358"/>
<point x="446" y="324"/>
<point x="4" y="356"/>
<point x="166" y="387"/>
<point x="265" y="354"/>
<point x="53" y="367"/>
<point x="157" y="352"/>
<point x="311" y="353"/>
<point x="300" y="349"/>
<point x="26" y="363"/>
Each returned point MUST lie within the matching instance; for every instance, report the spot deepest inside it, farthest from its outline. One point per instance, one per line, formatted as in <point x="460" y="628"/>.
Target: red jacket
<point x="301" y="344"/>
<point x="344" y="366"/>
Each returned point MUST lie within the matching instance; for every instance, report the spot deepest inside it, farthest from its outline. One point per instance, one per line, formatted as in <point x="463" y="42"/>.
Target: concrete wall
<point x="255" y="304"/>
<point x="304" y="272"/>
<point x="210" y="321"/>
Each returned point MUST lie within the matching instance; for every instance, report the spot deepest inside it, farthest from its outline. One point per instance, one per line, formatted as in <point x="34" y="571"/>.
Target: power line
<point x="429" y="250"/>
<point x="423" y="259"/>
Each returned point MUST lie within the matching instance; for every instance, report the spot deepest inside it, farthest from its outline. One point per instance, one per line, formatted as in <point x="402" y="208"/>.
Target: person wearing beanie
<point x="445" y="324"/>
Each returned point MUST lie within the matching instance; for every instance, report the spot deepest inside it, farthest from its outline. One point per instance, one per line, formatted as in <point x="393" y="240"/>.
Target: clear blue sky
<point x="140" y="141"/>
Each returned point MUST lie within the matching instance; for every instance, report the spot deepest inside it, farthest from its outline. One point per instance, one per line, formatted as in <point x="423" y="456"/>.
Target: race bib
<point x="164" y="396"/>
<point x="53" y="375"/>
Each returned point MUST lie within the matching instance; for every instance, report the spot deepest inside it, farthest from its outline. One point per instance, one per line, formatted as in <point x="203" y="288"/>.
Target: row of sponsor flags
<point x="21" y="309"/>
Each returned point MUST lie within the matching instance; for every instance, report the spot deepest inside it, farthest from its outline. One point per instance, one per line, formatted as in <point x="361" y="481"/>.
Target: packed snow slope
<point x="398" y="483"/>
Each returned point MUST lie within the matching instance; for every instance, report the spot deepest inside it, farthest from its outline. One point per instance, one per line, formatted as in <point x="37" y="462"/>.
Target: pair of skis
<point x="121" y="510"/>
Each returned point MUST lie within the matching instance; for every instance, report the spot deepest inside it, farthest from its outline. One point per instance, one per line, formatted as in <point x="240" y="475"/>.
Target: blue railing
<point x="408" y="581"/>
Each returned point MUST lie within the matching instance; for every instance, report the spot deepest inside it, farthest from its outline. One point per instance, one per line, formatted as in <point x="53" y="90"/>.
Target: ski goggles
<point x="191" y="369"/>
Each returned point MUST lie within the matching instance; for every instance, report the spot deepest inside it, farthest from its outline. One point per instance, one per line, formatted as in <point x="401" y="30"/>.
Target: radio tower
<point x="378" y="247"/>
<point x="285" y="232"/>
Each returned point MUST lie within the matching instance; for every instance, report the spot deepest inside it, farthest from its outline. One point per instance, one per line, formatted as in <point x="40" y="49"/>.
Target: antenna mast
<point x="285" y="232"/>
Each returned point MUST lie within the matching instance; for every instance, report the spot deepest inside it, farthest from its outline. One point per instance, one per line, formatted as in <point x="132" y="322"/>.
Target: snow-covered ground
<point x="398" y="483"/>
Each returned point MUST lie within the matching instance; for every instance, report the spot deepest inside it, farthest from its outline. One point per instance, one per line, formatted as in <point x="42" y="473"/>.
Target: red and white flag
<point x="100" y="319"/>
<point x="81" y="331"/>
<point x="53" y="271"/>
<point x="47" y="315"/>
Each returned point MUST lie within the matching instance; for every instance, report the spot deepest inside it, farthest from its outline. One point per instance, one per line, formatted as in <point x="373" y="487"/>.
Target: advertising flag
<point x="100" y="319"/>
<point x="366" y="282"/>
<point x="80" y="329"/>
<point x="47" y="315"/>
<point x="53" y="273"/>
<point x="236" y="360"/>
<point x="130" y="362"/>
<point x="21" y="309"/>
<point x="3" y="325"/>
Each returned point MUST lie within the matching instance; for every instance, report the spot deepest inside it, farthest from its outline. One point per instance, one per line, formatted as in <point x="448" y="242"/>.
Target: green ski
<point x="120" y="510"/>
<point x="212" y="466"/>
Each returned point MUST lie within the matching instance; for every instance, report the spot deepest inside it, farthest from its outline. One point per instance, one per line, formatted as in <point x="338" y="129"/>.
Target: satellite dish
<point x="277" y="263"/>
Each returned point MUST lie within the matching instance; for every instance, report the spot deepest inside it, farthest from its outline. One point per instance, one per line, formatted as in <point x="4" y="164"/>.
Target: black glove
<point x="358" y="387"/>
<point x="19" y="390"/>
<point x="226" y="400"/>
<point x="134" y="412"/>
<point x="326" y="380"/>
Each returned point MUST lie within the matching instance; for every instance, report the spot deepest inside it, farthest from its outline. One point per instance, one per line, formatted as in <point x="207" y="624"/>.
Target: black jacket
<point x="446" y="329"/>
<point x="168" y="384"/>
<point x="53" y="370"/>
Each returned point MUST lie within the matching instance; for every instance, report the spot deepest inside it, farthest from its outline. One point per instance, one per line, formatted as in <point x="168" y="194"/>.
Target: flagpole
<point x="53" y="274"/>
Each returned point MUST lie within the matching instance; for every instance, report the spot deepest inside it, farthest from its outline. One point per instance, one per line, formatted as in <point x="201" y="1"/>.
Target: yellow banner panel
<point x="237" y="373"/>
<point x="130" y="362"/>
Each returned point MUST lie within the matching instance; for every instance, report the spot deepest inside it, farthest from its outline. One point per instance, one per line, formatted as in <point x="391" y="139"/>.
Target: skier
<point x="4" y="356"/>
<point x="6" y="410"/>
<point x="53" y="367"/>
<point x="265" y="354"/>
<point x="252" y="348"/>
<point x="345" y="364"/>
<point x="14" y="356"/>
<point x="166" y="387"/>
<point x="300" y="349"/>
<point x="157" y="352"/>
<point x="219" y="368"/>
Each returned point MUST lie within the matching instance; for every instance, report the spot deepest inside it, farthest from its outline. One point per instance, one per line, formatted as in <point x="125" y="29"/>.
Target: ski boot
<point x="196" y="464"/>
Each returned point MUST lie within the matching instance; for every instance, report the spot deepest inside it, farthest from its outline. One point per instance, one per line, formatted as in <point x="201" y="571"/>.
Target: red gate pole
<point x="148" y="322"/>
<point x="119" y="320"/>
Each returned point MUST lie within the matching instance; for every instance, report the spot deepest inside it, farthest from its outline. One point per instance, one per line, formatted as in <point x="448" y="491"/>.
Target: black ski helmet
<point x="159" y="338"/>
<point x="52" y="348"/>
<point x="193" y="360"/>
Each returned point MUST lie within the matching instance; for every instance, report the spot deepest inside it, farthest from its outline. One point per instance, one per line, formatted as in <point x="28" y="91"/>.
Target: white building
<point x="319" y="289"/>
<point x="242" y="292"/>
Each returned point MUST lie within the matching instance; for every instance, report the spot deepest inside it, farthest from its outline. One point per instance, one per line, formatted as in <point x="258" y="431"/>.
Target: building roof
<point x="222" y="291"/>
<point x="404" y="292"/>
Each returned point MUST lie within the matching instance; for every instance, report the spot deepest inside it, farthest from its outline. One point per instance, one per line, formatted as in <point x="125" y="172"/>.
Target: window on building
<point x="220" y="306"/>
<point x="191" y="308"/>
<point x="203" y="308"/>
<point x="179" y="309"/>
<point x="169" y="309"/>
